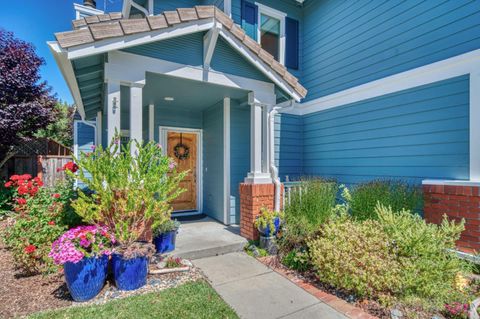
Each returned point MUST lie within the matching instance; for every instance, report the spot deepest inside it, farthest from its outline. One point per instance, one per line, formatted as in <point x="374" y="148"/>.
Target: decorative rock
<point x="269" y="244"/>
<point x="396" y="314"/>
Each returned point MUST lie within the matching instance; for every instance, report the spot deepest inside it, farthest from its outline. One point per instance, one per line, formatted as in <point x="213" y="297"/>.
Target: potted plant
<point x="131" y="195"/>
<point x="165" y="236"/>
<point x="83" y="251"/>
<point x="268" y="222"/>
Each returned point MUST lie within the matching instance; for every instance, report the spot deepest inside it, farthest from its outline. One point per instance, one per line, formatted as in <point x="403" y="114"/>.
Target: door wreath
<point x="181" y="151"/>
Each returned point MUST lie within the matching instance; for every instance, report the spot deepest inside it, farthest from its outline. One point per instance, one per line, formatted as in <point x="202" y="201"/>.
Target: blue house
<point x="252" y="91"/>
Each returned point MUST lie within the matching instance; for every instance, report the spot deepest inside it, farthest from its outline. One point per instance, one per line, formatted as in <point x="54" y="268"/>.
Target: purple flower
<point x="93" y="147"/>
<point x="172" y="165"/>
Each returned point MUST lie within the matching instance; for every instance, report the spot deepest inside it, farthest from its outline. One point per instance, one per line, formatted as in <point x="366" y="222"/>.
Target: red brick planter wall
<point x="456" y="202"/>
<point x="252" y="198"/>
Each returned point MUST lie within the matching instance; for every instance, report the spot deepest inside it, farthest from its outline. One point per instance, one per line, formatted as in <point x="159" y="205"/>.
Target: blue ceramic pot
<point x="86" y="278"/>
<point x="129" y="274"/>
<point x="266" y="231"/>
<point x="165" y="242"/>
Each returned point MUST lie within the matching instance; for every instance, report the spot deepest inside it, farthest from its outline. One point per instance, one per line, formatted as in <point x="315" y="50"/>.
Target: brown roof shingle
<point x="95" y="28"/>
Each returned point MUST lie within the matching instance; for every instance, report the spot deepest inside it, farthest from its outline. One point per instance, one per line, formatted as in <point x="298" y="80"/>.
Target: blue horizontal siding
<point x="213" y="183"/>
<point x="239" y="154"/>
<point x="217" y="3"/>
<point x="349" y="43"/>
<point x="168" y="5"/>
<point x="226" y="59"/>
<point x="412" y="135"/>
<point x="186" y="49"/>
<point x="289" y="145"/>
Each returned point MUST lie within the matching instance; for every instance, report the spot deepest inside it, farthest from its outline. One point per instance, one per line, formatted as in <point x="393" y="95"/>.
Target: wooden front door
<point x="182" y="147"/>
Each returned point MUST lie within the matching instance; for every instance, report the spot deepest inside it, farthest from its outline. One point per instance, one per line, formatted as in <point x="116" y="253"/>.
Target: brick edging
<point x="333" y="301"/>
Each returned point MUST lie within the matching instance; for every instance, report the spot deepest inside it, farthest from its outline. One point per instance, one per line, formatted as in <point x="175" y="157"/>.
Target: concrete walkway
<point x="205" y="238"/>
<point x="255" y="291"/>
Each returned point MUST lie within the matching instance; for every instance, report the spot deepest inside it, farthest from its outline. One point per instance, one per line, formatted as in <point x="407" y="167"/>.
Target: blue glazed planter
<point x="129" y="274"/>
<point x="86" y="278"/>
<point x="165" y="242"/>
<point x="266" y="231"/>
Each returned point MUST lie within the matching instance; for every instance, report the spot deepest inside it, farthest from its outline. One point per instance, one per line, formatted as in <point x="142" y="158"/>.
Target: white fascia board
<point x="262" y="66"/>
<point x="442" y="70"/>
<point x="128" y="67"/>
<point x="68" y="73"/>
<point x="87" y="11"/>
<point x="118" y="43"/>
<point x="126" y="8"/>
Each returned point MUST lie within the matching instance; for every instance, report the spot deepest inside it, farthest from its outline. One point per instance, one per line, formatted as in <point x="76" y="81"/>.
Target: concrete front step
<point x="206" y="238"/>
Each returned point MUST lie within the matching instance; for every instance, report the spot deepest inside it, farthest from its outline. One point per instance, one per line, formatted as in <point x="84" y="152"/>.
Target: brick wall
<point x="252" y="198"/>
<point x="456" y="202"/>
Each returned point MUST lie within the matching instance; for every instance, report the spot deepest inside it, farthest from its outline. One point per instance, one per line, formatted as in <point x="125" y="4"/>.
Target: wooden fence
<point x="44" y="167"/>
<point x="38" y="157"/>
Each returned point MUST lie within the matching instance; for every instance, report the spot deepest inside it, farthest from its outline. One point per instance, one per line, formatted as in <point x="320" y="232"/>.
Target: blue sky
<point x="36" y="21"/>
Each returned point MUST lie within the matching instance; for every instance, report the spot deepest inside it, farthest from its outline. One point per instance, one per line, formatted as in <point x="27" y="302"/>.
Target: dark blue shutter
<point x="250" y="19"/>
<point x="292" y="44"/>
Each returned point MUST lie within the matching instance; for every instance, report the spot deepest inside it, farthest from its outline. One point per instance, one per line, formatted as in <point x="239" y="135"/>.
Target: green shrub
<point x="355" y="256"/>
<point x="396" y="194"/>
<point x="131" y="193"/>
<point x="308" y="209"/>
<point x="297" y="260"/>
<point x="428" y="266"/>
<point x="397" y="257"/>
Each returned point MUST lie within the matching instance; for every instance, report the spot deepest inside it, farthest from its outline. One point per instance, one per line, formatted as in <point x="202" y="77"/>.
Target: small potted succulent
<point x="83" y="251"/>
<point x="165" y="236"/>
<point x="268" y="222"/>
<point x="131" y="195"/>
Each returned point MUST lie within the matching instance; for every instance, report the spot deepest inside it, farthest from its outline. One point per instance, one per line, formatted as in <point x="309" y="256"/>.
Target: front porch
<point x="201" y="89"/>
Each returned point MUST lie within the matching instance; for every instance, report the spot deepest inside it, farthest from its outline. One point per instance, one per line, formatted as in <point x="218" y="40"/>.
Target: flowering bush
<point x="38" y="221"/>
<point x="456" y="310"/>
<point x="131" y="194"/>
<point x="80" y="242"/>
<point x="70" y="167"/>
<point x="24" y="185"/>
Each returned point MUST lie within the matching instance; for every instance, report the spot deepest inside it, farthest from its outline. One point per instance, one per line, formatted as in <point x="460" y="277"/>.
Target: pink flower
<point x="172" y="165"/>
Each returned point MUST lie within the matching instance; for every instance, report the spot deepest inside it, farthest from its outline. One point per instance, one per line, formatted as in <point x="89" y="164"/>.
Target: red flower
<point x="51" y="223"/>
<point x="21" y="201"/>
<point x="30" y="249"/>
<point x="70" y="166"/>
<point x="25" y="176"/>
<point x="8" y="184"/>
<point x="56" y="195"/>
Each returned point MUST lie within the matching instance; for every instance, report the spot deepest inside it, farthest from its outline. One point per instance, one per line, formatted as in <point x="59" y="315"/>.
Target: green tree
<point x="61" y="129"/>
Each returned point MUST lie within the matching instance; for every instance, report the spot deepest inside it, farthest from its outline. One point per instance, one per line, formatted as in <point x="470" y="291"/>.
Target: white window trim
<point x="266" y="10"/>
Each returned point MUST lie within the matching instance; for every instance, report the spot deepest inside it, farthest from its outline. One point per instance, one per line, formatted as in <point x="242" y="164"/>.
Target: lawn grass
<point x="191" y="300"/>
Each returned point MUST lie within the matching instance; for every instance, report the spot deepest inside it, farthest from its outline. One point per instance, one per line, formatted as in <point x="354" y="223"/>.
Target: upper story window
<point x="271" y="31"/>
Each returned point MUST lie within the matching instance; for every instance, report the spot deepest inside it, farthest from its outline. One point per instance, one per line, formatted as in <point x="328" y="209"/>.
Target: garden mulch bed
<point x="21" y="296"/>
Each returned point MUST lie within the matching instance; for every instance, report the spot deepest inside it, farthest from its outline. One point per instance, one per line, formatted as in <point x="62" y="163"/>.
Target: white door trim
<point x="163" y="130"/>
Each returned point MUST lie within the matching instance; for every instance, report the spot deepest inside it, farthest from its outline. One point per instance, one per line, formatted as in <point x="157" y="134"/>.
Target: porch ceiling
<point x="89" y="76"/>
<point x="187" y="94"/>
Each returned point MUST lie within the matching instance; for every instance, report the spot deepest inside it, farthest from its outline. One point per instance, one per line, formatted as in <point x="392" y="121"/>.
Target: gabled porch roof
<point x="100" y="34"/>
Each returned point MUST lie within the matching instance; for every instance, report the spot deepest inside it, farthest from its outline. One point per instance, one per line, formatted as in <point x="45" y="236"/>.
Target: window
<point x="270" y="35"/>
<point x="271" y="31"/>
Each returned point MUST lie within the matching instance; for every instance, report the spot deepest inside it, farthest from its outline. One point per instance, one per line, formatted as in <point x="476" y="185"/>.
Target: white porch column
<point x="136" y="114"/>
<point x="474" y="125"/>
<point x="113" y="109"/>
<point x="99" y="121"/>
<point x="151" y="122"/>
<point x="259" y="170"/>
